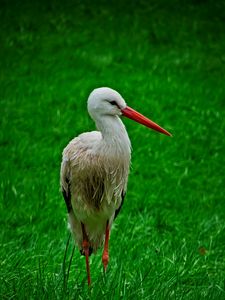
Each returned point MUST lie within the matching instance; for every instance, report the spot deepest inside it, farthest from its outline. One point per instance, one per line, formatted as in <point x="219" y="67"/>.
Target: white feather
<point x="97" y="165"/>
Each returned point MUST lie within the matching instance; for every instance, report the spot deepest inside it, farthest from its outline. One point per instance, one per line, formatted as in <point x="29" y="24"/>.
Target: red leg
<point x="85" y="246"/>
<point x="105" y="255"/>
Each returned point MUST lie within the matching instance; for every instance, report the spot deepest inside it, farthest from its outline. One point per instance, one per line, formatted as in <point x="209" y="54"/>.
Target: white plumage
<point x="94" y="171"/>
<point x="96" y="164"/>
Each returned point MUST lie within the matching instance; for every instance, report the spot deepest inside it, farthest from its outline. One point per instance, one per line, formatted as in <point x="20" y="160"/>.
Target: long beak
<point x="136" y="116"/>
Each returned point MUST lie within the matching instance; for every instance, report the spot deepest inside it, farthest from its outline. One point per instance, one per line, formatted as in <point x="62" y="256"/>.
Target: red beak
<point x="136" y="116"/>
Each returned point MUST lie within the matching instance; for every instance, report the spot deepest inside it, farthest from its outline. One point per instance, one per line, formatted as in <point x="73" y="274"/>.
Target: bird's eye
<point x="114" y="103"/>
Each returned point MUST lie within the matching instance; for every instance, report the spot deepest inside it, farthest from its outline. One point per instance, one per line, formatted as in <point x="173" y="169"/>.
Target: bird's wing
<point x="65" y="184"/>
<point x="121" y="204"/>
<point x="72" y="154"/>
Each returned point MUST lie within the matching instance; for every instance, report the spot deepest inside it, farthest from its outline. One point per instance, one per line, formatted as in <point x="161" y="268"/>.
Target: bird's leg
<point x="85" y="246"/>
<point x="105" y="255"/>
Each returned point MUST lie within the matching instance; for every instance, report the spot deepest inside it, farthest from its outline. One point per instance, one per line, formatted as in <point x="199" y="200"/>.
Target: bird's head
<point x="108" y="102"/>
<point x="105" y="101"/>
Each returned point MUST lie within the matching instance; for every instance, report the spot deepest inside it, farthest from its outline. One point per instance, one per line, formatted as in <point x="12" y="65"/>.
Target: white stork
<point x="94" y="172"/>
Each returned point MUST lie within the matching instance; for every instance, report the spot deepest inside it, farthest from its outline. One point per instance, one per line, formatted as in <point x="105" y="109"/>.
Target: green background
<point x="167" y="59"/>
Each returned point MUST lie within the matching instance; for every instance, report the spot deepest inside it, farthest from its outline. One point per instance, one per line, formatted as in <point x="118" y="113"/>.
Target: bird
<point x="94" y="172"/>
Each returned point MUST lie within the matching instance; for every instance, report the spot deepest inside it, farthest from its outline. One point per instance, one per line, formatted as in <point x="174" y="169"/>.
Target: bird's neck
<point x="114" y="134"/>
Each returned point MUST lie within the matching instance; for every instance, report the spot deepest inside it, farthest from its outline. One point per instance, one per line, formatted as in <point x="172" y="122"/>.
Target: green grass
<point x="167" y="58"/>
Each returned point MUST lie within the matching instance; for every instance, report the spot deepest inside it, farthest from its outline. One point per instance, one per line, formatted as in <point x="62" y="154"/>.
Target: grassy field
<point x="167" y="59"/>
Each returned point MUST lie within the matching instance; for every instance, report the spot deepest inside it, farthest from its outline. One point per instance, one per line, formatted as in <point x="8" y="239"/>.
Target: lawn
<point x="167" y="59"/>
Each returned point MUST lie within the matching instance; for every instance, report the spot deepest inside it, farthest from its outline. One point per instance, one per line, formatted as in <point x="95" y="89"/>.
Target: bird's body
<point x="94" y="171"/>
<point x="97" y="170"/>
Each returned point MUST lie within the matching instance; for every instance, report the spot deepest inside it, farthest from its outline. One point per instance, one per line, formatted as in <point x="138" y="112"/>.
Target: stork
<point x="94" y="172"/>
